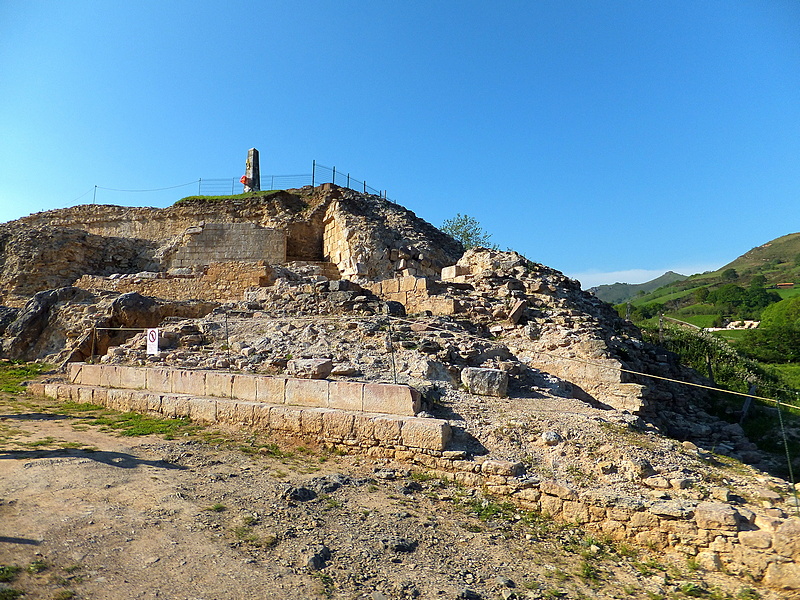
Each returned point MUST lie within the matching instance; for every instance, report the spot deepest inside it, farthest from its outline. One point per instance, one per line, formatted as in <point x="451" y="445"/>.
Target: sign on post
<point x="152" y="341"/>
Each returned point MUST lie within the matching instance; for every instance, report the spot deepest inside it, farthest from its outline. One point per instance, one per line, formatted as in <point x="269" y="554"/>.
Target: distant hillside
<point x="620" y="292"/>
<point x="769" y="257"/>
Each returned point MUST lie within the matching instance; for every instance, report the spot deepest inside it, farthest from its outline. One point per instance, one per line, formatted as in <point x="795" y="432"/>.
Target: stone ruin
<point x="424" y="347"/>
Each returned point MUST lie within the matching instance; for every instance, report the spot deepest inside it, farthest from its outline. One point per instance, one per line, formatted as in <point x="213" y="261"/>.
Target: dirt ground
<point x="87" y="513"/>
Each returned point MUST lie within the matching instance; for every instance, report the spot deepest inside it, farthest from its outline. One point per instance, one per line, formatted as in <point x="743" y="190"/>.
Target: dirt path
<point x="104" y="517"/>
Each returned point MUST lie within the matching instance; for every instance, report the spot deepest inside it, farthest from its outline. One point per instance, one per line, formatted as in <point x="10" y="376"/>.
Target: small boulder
<point x="309" y="368"/>
<point x="485" y="382"/>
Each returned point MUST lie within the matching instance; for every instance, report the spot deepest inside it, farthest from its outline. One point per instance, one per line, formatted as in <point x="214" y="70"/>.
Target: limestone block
<point x="529" y="495"/>
<point x="715" y="515"/>
<point x="556" y="489"/>
<point x="787" y="539"/>
<point x="89" y="375"/>
<point x="644" y="519"/>
<point x="286" y="419"/>
<point x="100" y="396"/>
<point x="309" y="368"/>
<point x="709" y="561"/>
<point x="499" y="467"/>
<point x="551" y="505"/>
<point x="154" y="403"/>
<point x="245" y="387"/>
<point x="614" y="529"/>
<point x="203" y="410"/>
<point x="119" y="399"/>
<point x="337" y="425"/>
<point x="159" y="380"/>
<point x="312" y="422"/>
<point x="346" y="395"/>
<point x="755" y="539"/>
<point x="51" y="390"/>
<point x="485" y="382"/>
<point x="428" y="434"/>
<point x="175" y="406"/>
<point x="219" y="384"/>
<point x="74" y="371"/>
<point x="652" y="539"/>
<point x="408" y="283"/>
<point x="134" y="378"/>
<point x="516" y="311"/>
<point x="226" y="412"/>
<point x="188" y="382"/>
<point x="440" y="306"/>
<point x="270" y="389"/>
<point x="109" y="376"/>
<point x="575" y="512"/>
<point x="260" y="414"/>
<point x="307" y="392"/>
<point x="139" y="401"/>
<point x="387" y="430"/>
<point x="85" y="395"/>
<point x="391" y="399"/>
<point x="784" y="576"/>
<point x="450" y="273"/>
<point x="364" y="428"/>
<point x="390" y="286"/>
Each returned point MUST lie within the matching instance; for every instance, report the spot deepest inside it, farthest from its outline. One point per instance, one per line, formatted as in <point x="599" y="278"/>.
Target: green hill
<point x="620" y="292"/>
<point x="739" y="290"/>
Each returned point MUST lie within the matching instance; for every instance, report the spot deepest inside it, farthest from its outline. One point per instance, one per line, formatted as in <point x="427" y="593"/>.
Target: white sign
<point x="152" y="341"/>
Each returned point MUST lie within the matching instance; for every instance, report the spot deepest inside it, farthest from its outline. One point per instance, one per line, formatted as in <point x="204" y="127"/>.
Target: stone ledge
<point x="382" y="398"/>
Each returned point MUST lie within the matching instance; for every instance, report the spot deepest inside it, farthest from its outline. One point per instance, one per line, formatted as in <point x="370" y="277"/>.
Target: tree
<point x="729" y="274"/>
<point x="468" y="231"/>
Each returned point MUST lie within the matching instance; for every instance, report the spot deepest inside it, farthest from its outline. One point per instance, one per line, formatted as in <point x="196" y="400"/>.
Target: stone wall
<point x="417" y="294"/>
<point x="220" y="282"/>
<point x="227" y="242"/>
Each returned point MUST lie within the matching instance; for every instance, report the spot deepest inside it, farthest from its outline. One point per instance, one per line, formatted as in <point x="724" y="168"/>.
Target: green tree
<point x="468" y="231"/>
<point x="729" y="274"/>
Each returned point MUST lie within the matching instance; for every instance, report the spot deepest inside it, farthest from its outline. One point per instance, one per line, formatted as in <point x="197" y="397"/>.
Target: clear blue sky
<point x="611" y="140"/>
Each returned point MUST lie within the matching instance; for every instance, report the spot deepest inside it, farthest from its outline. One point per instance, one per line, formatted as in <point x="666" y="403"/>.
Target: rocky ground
<point x="87" y="513"/>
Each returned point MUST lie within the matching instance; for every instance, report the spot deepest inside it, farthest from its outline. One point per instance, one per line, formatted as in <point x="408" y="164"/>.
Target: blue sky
<point x="611" y="140"/>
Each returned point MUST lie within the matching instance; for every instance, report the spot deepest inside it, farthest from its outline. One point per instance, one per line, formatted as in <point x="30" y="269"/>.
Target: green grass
<point x="134" y="424"/>
<point x="244" y="196"/>
<point x="9" y="573"/>
<point x="13" y="374"/>
<point x="789" y="374"/>
<point x="733" y="335"/>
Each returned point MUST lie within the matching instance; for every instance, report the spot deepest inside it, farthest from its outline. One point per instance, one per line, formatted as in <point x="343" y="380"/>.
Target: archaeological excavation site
<point x="327" y="318"/>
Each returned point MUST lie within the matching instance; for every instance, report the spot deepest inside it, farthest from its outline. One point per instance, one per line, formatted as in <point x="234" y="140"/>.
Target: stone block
<point x="787" y="539"/>
<point x="219" y="384"/>
<point x="100" y="396"/>
<point x="119" y="399"/>
<point x="89" y="375"/>
<point x="36" y="389"/>
<point x="203" y="410"/>
<point x="391" y="399"/>
<point x="441" y="306"/>
<point x="387" y="430"/>
<point x="159" y="380"/>
<point x="74" y="371"/>
<point x="644" y="519"/>
<point x="551" y="505"/>
<point x="485" y="382"/>
<point x="175" y="406"/>
<point x="86" y="395"/>
<point x="51" y="390"/>
<point x="755" y="539"/>
<point x="427" y="434"/>
<point x="575" y="512"/>
<point x="709" y="561"/>
<point x="109" y="376"/>
<point x="784" y="576"/>
<point x="285" y="419"/>
<point x="553" y="488"/>
<point x="188" y="382"/>
<point x="133" y="378"/>
<point x="715" y="515"/>
<point x="307" y="392"/>
<point x="364" y="428"/>
<point x="408" y="283"/>
<point x="260" y="414"/>
<point x="491" y="466"/>
<point x="153" y="403"/>
<point x="271" y="389"/>
<point x="451" y="272"/>
<point x="139" y="401"/>
<point x="313" y="421"/>
<point x="346" y="395"/>
<point x="245" y="387"/>
<point x="309" y="368"/>
<point x="516" y="311"/>
<point x="337" y="425"/>
<point x="390" y="286"/>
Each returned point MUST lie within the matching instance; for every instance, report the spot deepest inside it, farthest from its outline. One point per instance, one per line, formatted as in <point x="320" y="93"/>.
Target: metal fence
<point x="319" y="174"/>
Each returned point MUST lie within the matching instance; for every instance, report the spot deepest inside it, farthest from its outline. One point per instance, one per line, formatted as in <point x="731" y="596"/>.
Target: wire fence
<point x="229" y="186"/>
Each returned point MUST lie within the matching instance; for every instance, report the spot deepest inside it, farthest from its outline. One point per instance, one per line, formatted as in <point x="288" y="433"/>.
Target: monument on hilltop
<point x="252" y="175"/>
